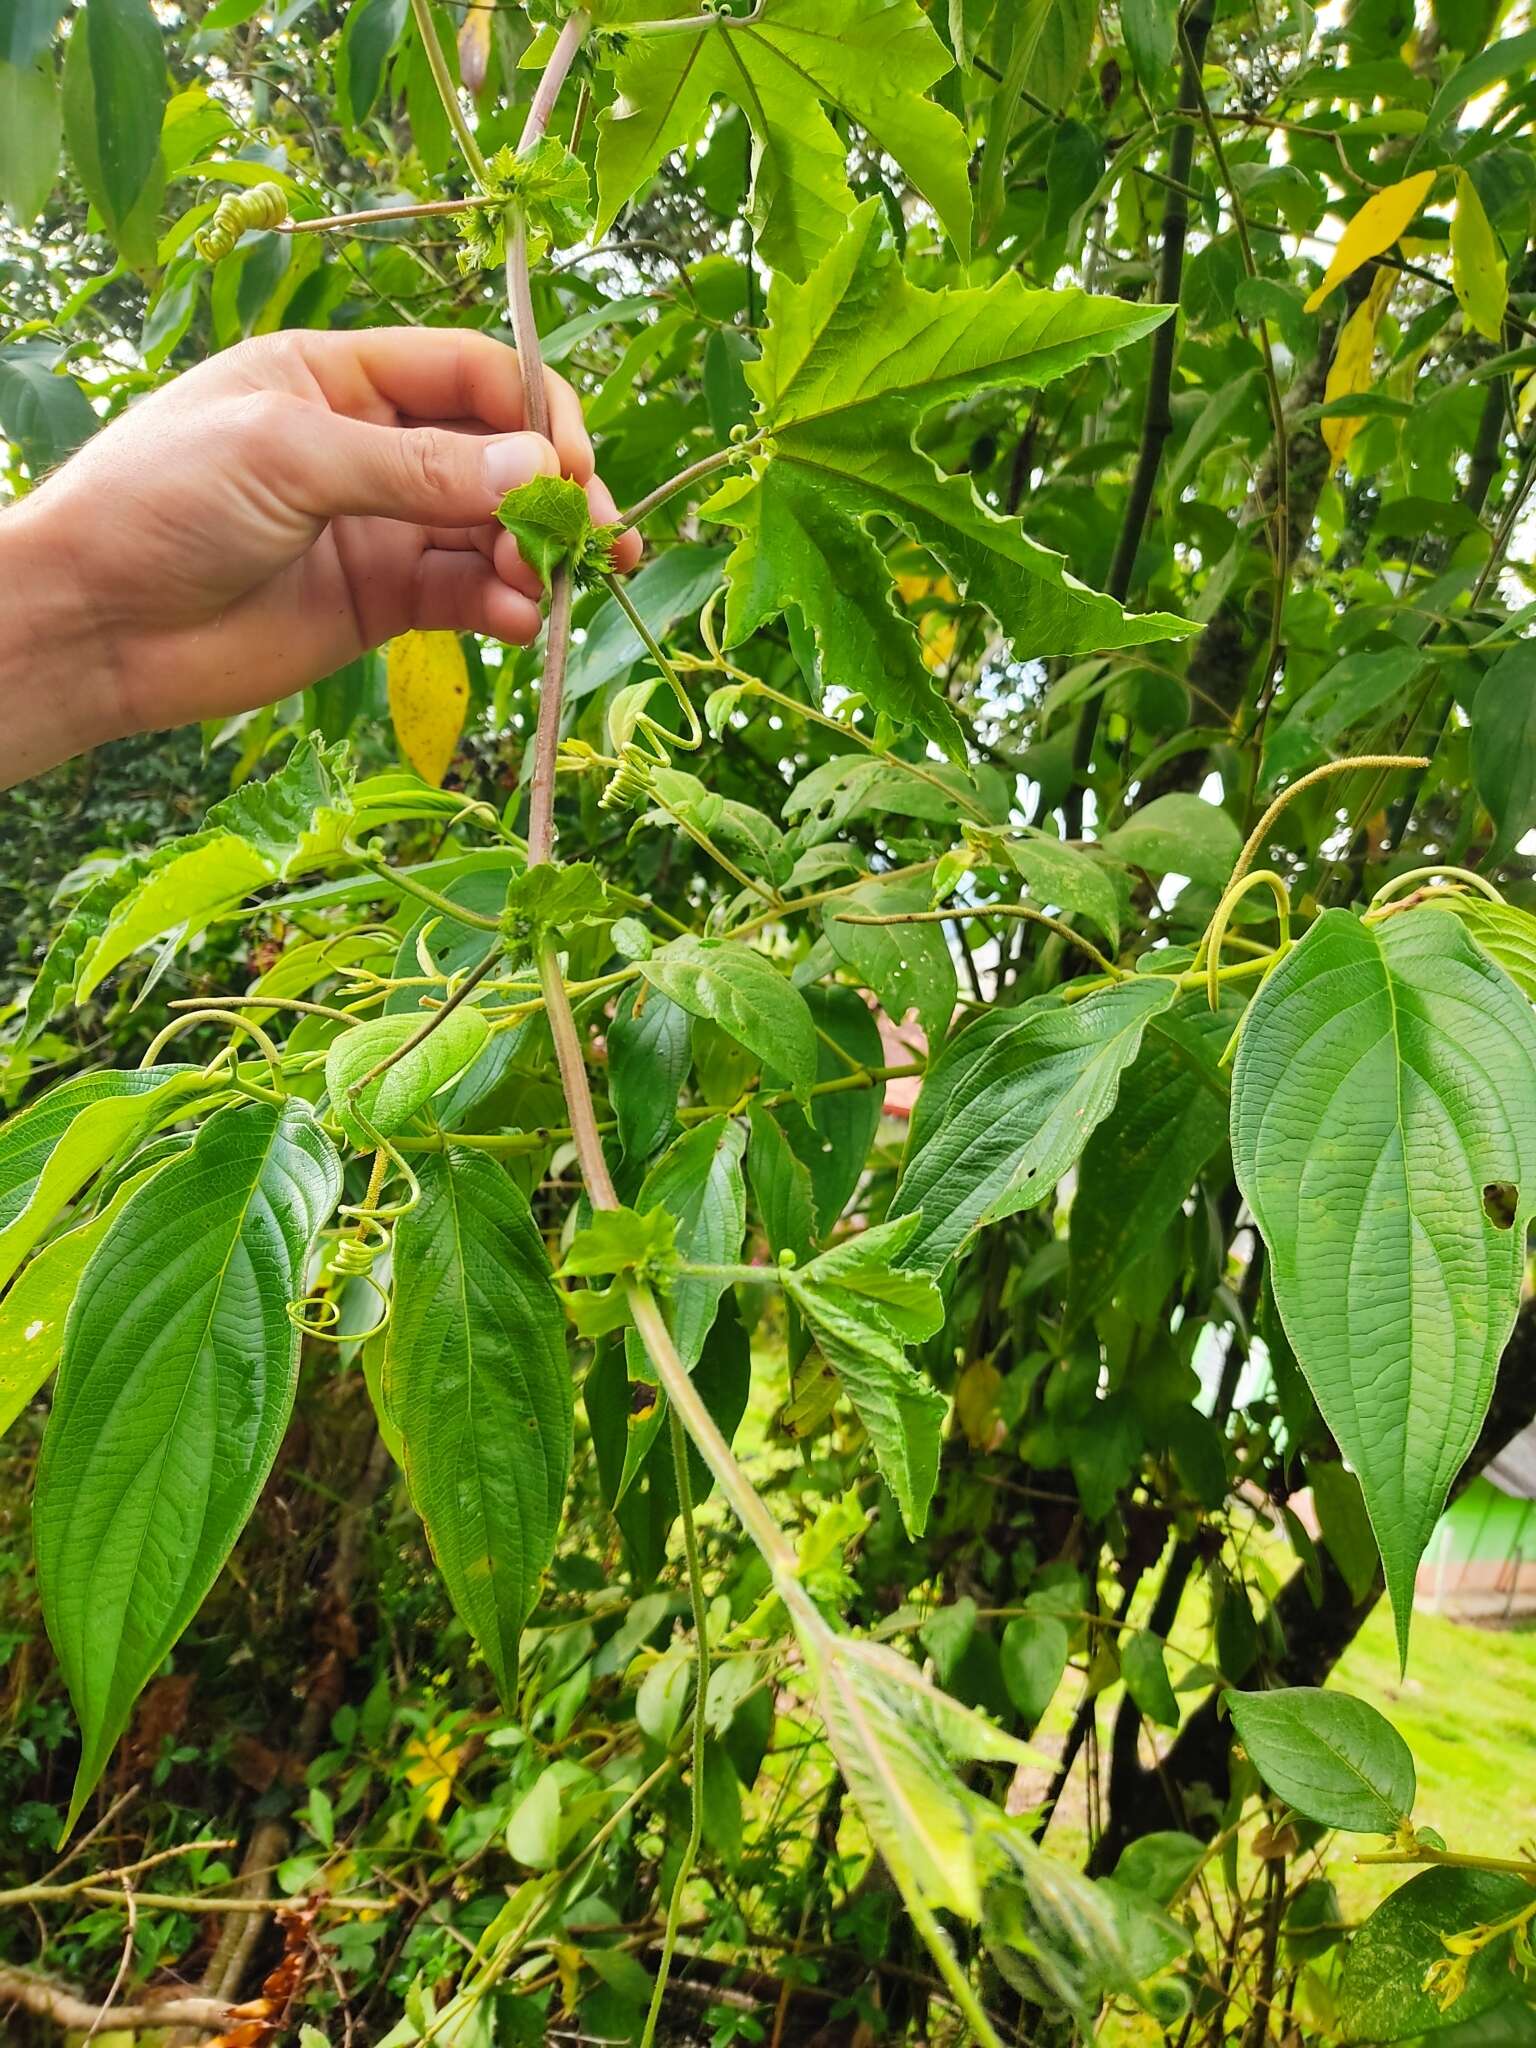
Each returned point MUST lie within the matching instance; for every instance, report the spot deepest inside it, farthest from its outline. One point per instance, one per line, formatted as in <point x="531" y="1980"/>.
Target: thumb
<point x="428" y="476"/>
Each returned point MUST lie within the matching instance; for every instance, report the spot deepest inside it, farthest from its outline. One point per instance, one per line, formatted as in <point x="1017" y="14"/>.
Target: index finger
<point x="441" y="373"/>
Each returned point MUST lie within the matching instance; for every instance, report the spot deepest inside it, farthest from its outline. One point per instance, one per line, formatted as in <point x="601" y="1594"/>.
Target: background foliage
<point x="1064" y="1479"/>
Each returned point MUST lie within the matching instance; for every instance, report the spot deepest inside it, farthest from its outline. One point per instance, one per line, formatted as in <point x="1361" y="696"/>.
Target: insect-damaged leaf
<point x="1384" y="1135"/>
<point x="175" y="1385"/>
<point x="477" y="1377"/>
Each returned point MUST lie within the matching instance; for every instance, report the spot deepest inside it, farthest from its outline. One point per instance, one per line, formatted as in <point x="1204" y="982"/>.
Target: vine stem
<point x="700" y="1726"/>
<point x="448" y="93"/>
<point x="718" y="458"/>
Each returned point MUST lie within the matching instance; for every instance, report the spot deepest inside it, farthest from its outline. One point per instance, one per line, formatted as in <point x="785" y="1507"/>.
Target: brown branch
<point x="66" y="2009"/>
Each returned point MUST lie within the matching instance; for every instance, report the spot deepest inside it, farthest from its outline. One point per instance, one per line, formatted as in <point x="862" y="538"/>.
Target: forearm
<point x="57" y="695"/>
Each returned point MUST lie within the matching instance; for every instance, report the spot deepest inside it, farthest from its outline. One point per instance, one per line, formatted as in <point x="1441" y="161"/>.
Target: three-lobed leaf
<point x="175" y="1384"/>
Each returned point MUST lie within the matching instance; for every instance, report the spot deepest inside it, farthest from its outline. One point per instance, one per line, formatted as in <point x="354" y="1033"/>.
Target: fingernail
<point x="600" y="499"/>
<point x="517" y="459"/>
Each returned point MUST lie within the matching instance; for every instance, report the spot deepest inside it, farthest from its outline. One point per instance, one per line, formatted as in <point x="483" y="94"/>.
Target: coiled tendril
<point x="263" y="206"/>
<point x="359" y="1242"/>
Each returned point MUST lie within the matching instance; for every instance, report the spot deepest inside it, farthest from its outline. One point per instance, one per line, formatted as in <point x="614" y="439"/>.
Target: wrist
<point x="58" y="663"/>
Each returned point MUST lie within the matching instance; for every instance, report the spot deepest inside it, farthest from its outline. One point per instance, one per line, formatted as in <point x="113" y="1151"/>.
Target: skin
<point x="265" y="519"/>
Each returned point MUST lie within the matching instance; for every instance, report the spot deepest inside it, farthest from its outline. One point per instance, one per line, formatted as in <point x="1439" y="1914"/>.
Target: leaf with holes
<point x="1384" y="1135"/>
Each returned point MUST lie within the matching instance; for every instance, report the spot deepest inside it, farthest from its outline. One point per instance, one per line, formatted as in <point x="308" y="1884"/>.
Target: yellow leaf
<point x="433" y="1761"/>
<point x="976" y="1405"/>
<point x="1478" y="272"/>
<point x="1375" y="227"/>
<point x="428" y="696"/>
<point x="1350" y="371"/>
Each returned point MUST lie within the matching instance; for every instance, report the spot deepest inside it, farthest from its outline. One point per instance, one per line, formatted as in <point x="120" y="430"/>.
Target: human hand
<point x="265" y="519"/>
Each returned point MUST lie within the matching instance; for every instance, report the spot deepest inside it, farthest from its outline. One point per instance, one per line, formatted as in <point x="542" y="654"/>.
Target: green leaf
<point x="875" y="65"/>
<point x="404" y="1089"/>
<point x="1034" y="1657"/>
<point x="1179" y="835"/>
<point x="54" y="1146"/>
<point x="1151" y="32"/>
<point x="550" y="188"/>
<point x="550" y="520"/>
<point x="908" y="966"/>
<point x="781" y="1183"/>
<point x="43" y="411"/>
<point x="369" y="34"/>
<point x="853" y="361"/>
<point x="1504" y="744"/>
<point x="648" y="1059"/>
<point x="29" y="137"/>
<point x="1384" y="1097"/>
<point x="1333" y="1758"/>
<point x="1144" y="1668"/>
<point x="863" y="785"/>
<point x="26" y="28"/>
<point x="833" y="1137"/>
<point x="1344" y="1524"/>
<point x="33" y="1311"/>
<point x="863" y="1314"/>
<point x="477" y="1377"/>
<point x="266" y="832"/>
<point x="1381" y="1993"/>
<point x="115" y="91"/>
<point x="729" y="984"/>
<point x="549" y="900"/>
<point x="622" y="1241"/>
<point x="1002" y="1117"/>
<point x="175" y="1385"/>
<point x="1506" y="933"/>
<point x="1137" y="1168"/>
<point x="1050" y="43"/>
<point x="698" y="1182"/>
<point x="1072" y="882"/>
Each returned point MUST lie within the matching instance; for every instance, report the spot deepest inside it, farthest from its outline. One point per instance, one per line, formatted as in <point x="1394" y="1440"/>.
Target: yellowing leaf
<point x="936" y="629"/>
<point x="434" y="1761"/>
<point x="1478" y="271"/>
<point x="1375" y="227"/>
<point x="1350" y="371"/>
<point x="428" y="696"/>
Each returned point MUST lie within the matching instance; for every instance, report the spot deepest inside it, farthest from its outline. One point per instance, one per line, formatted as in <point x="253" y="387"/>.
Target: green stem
<point x="700" y="1727"/>
<point x="448" y="92"/>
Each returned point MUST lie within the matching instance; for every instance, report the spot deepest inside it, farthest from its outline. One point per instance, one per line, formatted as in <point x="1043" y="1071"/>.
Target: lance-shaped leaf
<point x="1169" y="1119"/>
<point x="477" y="1378"/>
<point x="265" y="832"/>
<point x="33" y="1312"/>
<point x="698" y="1182"/>
<point x="1384" y="1134"/>
<point x="1006" y="1111"/>
<point x="853" y="360"/>
<point x="53" y="1147"/>
<point x="864" y="1312"/>
<point x="871" y="59"/>
<point x="175" y="1385"/>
